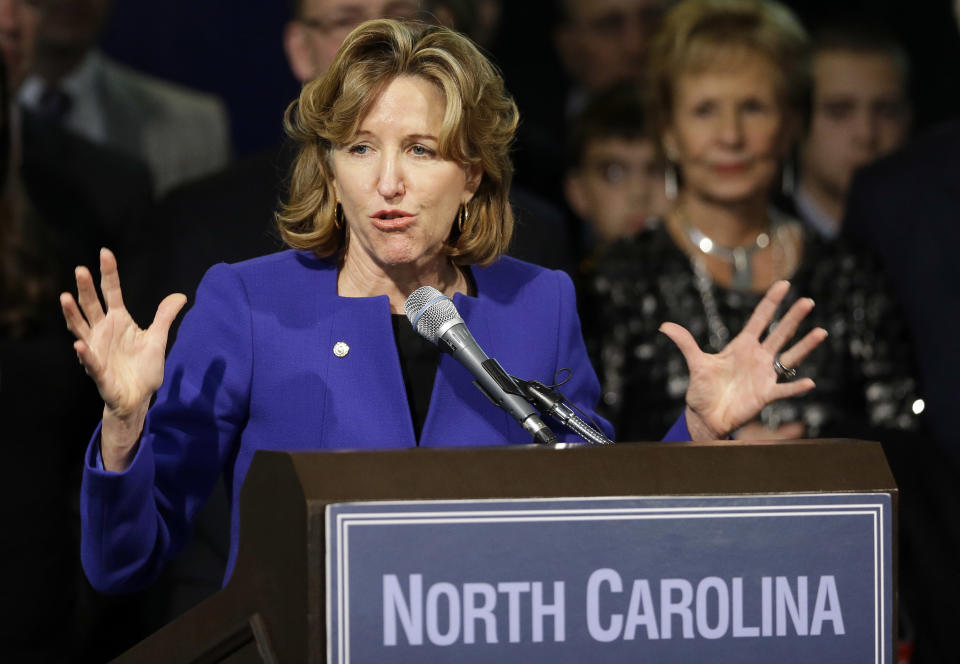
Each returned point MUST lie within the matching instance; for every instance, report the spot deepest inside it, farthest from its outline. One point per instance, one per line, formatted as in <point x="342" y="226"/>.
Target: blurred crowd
<point x="683" y="156"/>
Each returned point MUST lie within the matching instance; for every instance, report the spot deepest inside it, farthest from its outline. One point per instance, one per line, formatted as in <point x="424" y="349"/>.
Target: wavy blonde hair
<point x="479" y="122"/>
<point x="703" y="35"/>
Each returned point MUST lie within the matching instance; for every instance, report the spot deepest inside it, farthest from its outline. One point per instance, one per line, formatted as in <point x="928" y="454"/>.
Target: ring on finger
<point x="785" y="372"/>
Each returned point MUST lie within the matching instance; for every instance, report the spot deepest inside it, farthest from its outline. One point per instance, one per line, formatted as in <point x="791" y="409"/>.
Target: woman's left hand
<point x="729" y="388"/>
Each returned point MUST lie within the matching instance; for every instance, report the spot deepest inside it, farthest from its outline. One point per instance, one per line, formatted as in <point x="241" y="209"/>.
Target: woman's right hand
<point x="124" y="361"/>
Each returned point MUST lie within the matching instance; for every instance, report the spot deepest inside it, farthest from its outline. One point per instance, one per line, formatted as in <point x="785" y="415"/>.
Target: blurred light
<point x="918" y="406"/>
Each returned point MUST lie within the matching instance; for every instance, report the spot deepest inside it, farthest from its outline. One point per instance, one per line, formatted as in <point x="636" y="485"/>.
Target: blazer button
<point x="340" y="349"/>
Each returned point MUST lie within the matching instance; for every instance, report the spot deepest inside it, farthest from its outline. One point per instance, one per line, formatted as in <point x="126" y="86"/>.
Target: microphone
<point x="434" y="316"/>
<point x="551" y="402"/>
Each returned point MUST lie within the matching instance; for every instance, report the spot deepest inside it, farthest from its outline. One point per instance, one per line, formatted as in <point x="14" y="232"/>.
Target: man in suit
<point x="62" y="198"/>
<point x="905" y="207"/>
<point x="67" y="180"/>
<point x="179" y="133"/>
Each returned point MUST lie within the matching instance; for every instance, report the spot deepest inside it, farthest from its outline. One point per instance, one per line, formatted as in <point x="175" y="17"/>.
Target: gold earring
<point x="463" y="217"/>
<point x="338" y="217"/>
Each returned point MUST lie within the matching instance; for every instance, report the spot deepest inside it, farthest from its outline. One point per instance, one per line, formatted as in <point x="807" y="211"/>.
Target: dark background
<point x="235" y="50"/>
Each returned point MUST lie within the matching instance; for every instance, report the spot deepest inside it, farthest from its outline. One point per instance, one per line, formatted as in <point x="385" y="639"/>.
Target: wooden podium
<point x="273" y="608"/>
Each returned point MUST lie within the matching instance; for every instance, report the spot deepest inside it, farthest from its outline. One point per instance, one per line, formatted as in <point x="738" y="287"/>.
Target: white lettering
<point x="796" y="606"/>
<point x="766" y="607"/>
<point x="394" y="606"/>
<point x="513" y="589"/>
<point x="597" y="631"/>
<point x="827" y="595"/>
<point x="434" y="633"/>
<point x="712" y="607"/>
<point x="739" y="630"/>
<point x="681" y="607"/>
<point x="539" y="610"/>
<point x="472" y="612"/>
<point x="641" y="598"/>
<point x="718" y="585"/>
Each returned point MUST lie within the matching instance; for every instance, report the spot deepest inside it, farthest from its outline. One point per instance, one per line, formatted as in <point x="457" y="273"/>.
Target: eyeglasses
<point x="341" y="24"/>
<point x="331" y="26"/>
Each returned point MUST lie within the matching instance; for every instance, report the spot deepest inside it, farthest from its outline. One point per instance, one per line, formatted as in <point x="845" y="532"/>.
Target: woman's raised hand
<point x="729" y="388"/>
<point x="124" y="361"/>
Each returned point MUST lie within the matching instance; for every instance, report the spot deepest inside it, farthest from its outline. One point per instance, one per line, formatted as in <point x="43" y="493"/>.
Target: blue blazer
<point x="254" y="368"/>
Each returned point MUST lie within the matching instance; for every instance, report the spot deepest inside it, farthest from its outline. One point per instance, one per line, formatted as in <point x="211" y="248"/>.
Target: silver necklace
<point x="740" y="258"/>
<point x="718" y="332"/>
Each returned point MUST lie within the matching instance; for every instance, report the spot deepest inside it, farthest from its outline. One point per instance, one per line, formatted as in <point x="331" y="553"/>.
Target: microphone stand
<point x="553" y="403"/>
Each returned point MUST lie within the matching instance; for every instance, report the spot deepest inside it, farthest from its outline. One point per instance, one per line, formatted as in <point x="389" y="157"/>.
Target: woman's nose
<point x="731" y="128"/>
<point x="390" y="178"/>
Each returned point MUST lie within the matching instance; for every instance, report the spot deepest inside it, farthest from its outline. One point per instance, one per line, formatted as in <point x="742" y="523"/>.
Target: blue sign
<point x="780" y="578"/>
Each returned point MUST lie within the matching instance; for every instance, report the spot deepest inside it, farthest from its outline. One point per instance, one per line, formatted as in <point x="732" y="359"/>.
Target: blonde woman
<point x="728" y="92"/>
<point x="401" y="181"/>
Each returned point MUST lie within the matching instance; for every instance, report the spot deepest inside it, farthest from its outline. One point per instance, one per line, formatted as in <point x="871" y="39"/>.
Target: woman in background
<point x="728" y="91"/>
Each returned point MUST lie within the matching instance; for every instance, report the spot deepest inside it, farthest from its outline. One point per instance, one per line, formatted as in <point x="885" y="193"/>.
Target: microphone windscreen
<point x="428" y="310"/>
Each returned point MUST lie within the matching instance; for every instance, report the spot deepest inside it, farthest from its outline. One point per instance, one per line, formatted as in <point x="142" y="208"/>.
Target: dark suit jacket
<point x="225" y="217"/>
<point x="179" y="133"/>
<point x="907" y="209"/>
<point x="85" y="192"/>
<point x="79" y="197"/>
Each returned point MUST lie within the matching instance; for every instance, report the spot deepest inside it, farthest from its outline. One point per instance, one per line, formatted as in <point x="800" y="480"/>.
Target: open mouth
<point x="388" y="215"/>
<point x="392" y="219"/>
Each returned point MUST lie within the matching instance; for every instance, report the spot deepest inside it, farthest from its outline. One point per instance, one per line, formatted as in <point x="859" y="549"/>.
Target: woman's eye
<point x="755" y="106"/>
<point x="421" y="151"/>
<point x="704" y="110"/>
<point x="359" y="149"/>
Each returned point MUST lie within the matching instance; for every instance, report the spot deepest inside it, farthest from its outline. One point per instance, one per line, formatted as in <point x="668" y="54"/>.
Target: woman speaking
<point x="401" y="181"/>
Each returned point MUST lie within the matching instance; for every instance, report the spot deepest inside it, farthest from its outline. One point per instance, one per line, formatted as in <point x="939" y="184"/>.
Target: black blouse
<point x="419" y="360"/>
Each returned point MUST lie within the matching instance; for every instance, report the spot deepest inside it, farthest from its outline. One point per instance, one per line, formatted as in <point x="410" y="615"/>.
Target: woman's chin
<point x="405" y="257"/>
<point x="737" y="194"/>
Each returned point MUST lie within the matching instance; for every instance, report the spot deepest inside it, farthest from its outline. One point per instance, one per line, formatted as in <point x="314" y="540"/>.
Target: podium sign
<point x="784" y="578"/>
<point x="655" y="552"/>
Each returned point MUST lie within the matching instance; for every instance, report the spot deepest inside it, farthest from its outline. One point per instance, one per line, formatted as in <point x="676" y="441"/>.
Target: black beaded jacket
<point x="864" y="370"/>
